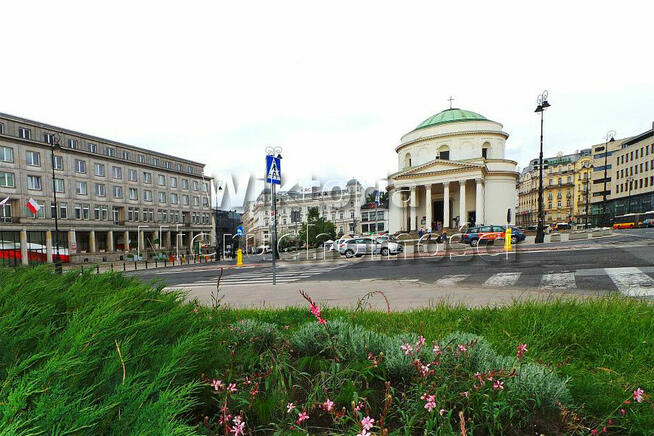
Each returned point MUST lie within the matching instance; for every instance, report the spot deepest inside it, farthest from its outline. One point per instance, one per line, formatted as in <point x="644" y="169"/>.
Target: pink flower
<point x="638" y="395"/>
<point x="424" y="370"/>
<point x="217" y="384"/>
<point x="463" y="348"/>
<point x="623" y="412"/>
<point x="367" y="423"/>
<point x="498" y="385"/>
<point x="301" y="417"/>
<point x="442" y="412"/>
<point x="239" y="425"/>
<point x="593" y="432"/>
<point x="522" y="349"/>
<point x="421" y="341"/>
<point x="232" y="387"/>
<point x="322" y="321"/>
<point x="328" y="405"/>
<point x="315" y="310"/>
<point x="465" y="394"/>
<point x="358" y="406"/>
<point x="437" y="350"/>
<point x="604" y="430"/>
<point x="408" y="349"/>
<point x="290" y="407"/>
<point x="430" y="402"/>
<point x="247" y="381"/>
<point x="363" y="433"/>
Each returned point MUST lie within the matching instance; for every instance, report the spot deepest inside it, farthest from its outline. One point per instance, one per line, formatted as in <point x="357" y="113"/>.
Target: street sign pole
<point x="274" y="177"/>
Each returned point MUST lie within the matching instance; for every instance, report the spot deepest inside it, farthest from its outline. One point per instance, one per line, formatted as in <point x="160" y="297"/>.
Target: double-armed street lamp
<point x="610" y="137"/>
<point x="542" y="105"/>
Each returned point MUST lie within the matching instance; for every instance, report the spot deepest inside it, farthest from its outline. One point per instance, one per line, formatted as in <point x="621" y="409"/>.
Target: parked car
<point x="649" y="222"/>
<point x="369" y="245"/>
<point x="517" y="234"/>
<point x="483" y="234"/>
<point x="388" y="245"/>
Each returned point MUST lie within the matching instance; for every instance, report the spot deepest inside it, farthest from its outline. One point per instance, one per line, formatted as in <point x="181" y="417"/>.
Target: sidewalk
<point x="401" y="294"/>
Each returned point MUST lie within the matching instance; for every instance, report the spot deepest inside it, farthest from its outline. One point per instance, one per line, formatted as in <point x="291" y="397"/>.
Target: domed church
<point x="452" y="171"/>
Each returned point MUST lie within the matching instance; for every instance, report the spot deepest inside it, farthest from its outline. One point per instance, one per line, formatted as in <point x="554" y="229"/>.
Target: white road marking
<point x="450" y="280"/>
<point x="631" y="281"/>
<point x="502" y="279"/>
<point x="558" y="281"/>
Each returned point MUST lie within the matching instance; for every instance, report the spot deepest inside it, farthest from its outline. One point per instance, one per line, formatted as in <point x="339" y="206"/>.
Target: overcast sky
<point x="336" y="84"/>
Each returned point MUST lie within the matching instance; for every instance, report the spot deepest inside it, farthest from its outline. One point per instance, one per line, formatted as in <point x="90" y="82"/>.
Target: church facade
<point x="452" y="171"/>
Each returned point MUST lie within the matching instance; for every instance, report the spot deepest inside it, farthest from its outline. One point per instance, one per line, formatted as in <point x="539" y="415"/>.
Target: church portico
<point x="454" y="188"/>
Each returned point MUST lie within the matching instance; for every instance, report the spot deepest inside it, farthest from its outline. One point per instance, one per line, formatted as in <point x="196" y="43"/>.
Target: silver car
<point x="369" y="245"/>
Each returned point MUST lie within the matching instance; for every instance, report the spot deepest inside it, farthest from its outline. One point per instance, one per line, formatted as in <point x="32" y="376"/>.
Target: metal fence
<point x="10" y="248"/>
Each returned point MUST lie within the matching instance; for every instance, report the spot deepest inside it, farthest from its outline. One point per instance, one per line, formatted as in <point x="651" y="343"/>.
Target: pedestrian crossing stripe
<point x="631" y="281"/>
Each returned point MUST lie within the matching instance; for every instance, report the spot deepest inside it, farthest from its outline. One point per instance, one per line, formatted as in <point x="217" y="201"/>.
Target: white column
<point x="110" y="241"/>
<point x="92" y="241"/>
<point x="446" y="204"/>
<point x="48" y="246"/>
<point x="428" y="206"/>
<point x="126" y="240"/>
<point x="23" y="248"/>
<point x="462" y="202"/>
<point x="72" y="242"/>
<point x="412" y="208"/>
<point x="479" y="199"/>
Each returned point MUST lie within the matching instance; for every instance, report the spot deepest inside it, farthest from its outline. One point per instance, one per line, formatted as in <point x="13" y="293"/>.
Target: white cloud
<point x="335" y="84"/>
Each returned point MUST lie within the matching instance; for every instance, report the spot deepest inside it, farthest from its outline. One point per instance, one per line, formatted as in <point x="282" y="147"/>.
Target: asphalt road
<point x="623" y="263"/>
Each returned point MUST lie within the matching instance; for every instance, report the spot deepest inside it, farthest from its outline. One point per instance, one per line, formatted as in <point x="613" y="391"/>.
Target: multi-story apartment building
<point x="633" y="172"/>
<point x="561" y="188"/>
<point x="345" y="207"/>
<point x="112" y="198"/>
<point x="582" y="190"/>
<point x="602" y="178"/>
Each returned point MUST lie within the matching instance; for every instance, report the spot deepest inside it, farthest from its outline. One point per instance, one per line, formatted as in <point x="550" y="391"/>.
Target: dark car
<point x="517" y="235"/>
<point x="482" y="234"/>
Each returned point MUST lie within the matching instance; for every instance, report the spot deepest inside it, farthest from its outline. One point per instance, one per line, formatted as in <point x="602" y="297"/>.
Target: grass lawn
<point x="105" y="354"/>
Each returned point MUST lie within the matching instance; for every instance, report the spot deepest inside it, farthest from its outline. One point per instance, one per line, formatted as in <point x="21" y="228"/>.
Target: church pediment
<point x="438" y="166"/>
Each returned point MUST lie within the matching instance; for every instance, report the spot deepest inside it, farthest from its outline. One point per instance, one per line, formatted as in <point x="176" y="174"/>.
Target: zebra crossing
<point x="630" y="281"/>
<point x="263" y="276"/>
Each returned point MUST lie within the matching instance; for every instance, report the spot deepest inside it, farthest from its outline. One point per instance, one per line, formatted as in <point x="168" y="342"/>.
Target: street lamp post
<point x="55" y="145"/>
<point x="630" y="180"/>
<point x="610" y="137"/>
<point x="542" y="105"/>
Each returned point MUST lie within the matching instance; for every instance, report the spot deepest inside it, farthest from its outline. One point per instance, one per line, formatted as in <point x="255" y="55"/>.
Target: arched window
<point x="444" y="152"/>
<point x="485" y="149"/>
<point x="407" y="160"/>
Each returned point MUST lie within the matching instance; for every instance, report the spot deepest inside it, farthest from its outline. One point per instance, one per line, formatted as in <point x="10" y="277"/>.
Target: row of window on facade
<point x="33" y="158"/>
<point x="82" y="211"/>
<point x="74" y="144"/>
<point x="634" y="169"/>
<point x="634" y="154"/>
<point x="634" y="184"/>
<point x="34" y="183"/>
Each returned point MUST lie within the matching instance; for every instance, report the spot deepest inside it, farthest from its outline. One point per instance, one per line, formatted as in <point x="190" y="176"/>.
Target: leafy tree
<point x="320" y="229"/>
<point x="383" y="197"/>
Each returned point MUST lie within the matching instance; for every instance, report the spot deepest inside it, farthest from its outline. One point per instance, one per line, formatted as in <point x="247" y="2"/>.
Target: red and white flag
<point x="33" y="206"/>
<point x="3" y="202"/>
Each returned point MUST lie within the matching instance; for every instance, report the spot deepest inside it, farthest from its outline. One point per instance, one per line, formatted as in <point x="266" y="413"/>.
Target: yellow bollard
<point x="239" y="257"/>
<point x="507" y="239"/>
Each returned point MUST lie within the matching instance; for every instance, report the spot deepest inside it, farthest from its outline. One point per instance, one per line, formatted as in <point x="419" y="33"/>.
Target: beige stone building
<point x="345" y="207"/>
<point x="112" y="198"/>
<point x="633" y="175"/>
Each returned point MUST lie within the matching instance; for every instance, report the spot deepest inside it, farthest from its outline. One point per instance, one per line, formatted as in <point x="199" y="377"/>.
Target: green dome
<point x="450" y="116"/>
